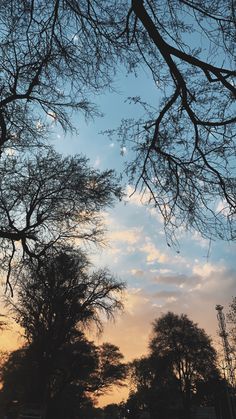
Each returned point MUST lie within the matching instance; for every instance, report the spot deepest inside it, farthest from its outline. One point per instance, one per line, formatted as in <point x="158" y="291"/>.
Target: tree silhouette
<point x="77" y="378"/>
<point x="53" y="200"/>
<point x="155" y="389"/>
<point x="60" y="294"/>
<point x="178" y="373"/>
<point x="54" y="57"/>
<point x="184" y="147"/>
<point x="56" y="301"/>
<point x="188" y="350"/>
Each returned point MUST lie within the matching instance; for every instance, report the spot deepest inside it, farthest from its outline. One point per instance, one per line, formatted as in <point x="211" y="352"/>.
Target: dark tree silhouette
<point x="155" y="389"/>
<point x="54" y="56"/>
<point x="56" y="300"/>
<point x="77" y="378"/>
<point x="53" y="200"/>
<point x="60" y="294"/>
<point x="178" y="373"/>
<point x="185" y="147"/>
<point x="187" y="349"/>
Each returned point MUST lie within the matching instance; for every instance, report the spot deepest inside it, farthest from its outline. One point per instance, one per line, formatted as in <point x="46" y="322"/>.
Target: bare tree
<point x="46" y="73"/>
<point x="55" y="55"/>
<point x="185" y="149"/>
<point x="52" y="200"/>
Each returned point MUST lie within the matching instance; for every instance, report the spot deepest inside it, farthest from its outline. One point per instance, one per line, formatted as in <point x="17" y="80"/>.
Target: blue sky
<point x="190" y="279"/>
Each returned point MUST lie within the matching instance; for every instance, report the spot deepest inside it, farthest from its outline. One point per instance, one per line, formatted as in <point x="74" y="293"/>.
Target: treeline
<point x="60" y="373"/>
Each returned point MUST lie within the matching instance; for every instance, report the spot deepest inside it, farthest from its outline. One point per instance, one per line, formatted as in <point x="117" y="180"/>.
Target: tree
<point x="45" y="75"/>
<point x="186" y="349"/>
<point x="60" y="294"/>
<point x="53" y="200"/>
<point x="114" y="411"/>
<point x="155" y="389"/>
<point x="185" y="147"/>
<point x="178" y="373"/>
<point x="57" y="299"/>
<point x="46" y="68"/>
<point x="76" y="380"/>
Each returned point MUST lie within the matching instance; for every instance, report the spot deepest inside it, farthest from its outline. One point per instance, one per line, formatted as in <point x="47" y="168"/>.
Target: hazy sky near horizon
<point x="159" y="278"/>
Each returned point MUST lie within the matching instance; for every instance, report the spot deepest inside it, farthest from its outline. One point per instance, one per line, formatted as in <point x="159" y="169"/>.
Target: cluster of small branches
<point x="53" y="200"/>
<point x="55" y="56"/>
<point x="185" y="148"/>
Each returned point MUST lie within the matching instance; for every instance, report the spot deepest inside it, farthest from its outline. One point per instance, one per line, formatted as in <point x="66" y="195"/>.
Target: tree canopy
<point x="60" y="293"/>
<point x="185" y="147"/>
<point x="185" y="345"/>
<point x="54" y="57"/>
<point x="179" y="369"/>
<point x="56" y="302"/>
<point x="53" y="200"/>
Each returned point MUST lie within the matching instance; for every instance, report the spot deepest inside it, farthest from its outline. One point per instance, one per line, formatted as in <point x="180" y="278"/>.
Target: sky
<point x="190" y="279"/>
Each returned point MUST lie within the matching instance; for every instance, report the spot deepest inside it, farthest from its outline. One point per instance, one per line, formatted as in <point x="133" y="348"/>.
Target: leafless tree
<point x="47" y="200"/>
<point x="54" y="56"/>
<point x="185" y="149"/>
<point x="61" y="294"/>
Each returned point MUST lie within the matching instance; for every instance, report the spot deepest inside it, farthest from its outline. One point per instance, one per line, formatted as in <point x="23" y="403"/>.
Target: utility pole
<point x="229" y="367"/>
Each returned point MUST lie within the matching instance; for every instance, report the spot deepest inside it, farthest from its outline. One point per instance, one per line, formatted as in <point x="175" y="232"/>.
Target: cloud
<point x="165" y="271"/>
<point x="130" y="236"/>
<point x="223" y="208"/>
<point x="166" y="295"/>
<point x="177" y="279"/>
<point x="142" y="199"/>
<point x="123" y="150"/>
<point x="207" y="269"/>
<point x="197" y="299"/>
<point x="131" y="329"/>
<point x="153" y="254"/>
<point x="137" y="272"/>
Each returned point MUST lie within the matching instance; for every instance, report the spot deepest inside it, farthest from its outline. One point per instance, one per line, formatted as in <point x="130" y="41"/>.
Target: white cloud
<point x="206" y="269"/>
<point x="138" y="198"/>
<point x="167" y="295"/>
<point x="153" y="254"/>
<point x="130" y="236"/>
